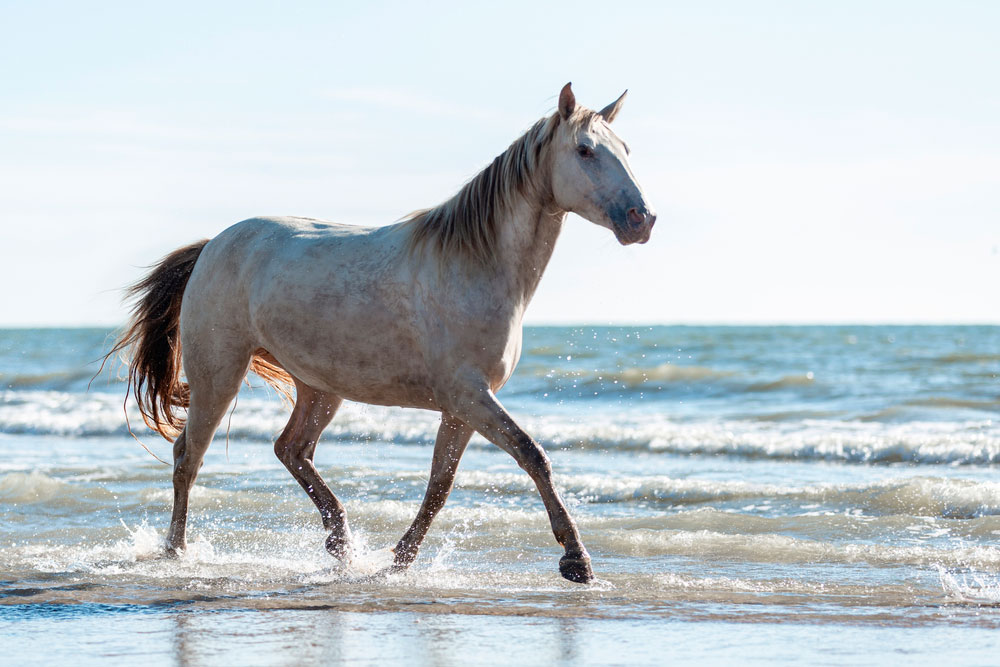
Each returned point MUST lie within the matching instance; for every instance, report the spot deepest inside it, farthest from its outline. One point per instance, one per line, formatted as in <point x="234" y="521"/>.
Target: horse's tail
<point x="153" y="339"/>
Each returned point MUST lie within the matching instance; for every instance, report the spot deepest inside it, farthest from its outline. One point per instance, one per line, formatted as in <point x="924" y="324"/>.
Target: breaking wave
<point x="953" y="442"/>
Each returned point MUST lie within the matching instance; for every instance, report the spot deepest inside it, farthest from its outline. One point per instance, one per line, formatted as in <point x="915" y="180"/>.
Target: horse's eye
<point x="585" y="151"/>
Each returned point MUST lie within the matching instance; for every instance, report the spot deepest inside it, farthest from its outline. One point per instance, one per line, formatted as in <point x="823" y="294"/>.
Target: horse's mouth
<point x="628" y="234"/>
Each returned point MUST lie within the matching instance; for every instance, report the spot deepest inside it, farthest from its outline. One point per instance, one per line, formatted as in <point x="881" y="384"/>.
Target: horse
<point x="423" y="313"/>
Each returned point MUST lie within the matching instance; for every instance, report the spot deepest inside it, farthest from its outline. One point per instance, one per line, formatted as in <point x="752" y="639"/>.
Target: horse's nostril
<point x="635" y="217"/>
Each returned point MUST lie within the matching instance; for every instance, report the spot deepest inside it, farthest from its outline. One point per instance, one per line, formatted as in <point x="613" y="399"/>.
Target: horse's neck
<point x="527" y="238"/>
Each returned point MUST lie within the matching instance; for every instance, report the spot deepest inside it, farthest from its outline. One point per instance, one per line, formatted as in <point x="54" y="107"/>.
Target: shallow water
<point x="760" y="492"/>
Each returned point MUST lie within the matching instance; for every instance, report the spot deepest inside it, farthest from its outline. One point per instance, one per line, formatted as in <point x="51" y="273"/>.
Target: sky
<point x="810" y="162"/>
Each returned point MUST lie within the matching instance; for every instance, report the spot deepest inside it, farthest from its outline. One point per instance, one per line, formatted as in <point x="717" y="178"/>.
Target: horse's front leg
<point x="452" y="438"/>
<point x="481" y="410"/>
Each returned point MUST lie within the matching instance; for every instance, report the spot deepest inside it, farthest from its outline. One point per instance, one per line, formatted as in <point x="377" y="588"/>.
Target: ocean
<point x="753" y="494"/>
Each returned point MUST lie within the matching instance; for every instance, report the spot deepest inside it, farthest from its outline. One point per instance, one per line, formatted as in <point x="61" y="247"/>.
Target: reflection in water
<point x="328" y="636"/>
<point x="246" y="636"/>
<point x="88" y="636"/>
<point x="567" y="641"/>
<point x="184" y="649"/>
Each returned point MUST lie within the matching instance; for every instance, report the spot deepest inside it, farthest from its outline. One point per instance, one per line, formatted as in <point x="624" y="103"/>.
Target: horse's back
<point x="256" y="255"/>
<point x="332" y="303"/>
<point x="350" y="310"/>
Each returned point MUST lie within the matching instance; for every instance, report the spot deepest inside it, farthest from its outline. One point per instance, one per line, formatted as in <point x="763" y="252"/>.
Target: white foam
<point x="916" y="496"/>
<point x="970" y="586"/>
<point x="772" y="548"/>
<point x="37" y="487"/>
<point x="953" y="442"/>
<point x="19" y="487"/>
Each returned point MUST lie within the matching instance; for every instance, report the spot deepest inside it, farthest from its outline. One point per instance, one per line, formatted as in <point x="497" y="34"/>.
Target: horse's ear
<point x="567" y="101"/>
<point x="609" y="112"/>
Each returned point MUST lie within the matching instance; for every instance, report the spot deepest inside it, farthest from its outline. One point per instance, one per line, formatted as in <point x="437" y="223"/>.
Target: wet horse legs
<point x="295" y="448"/>
<point x="452" y="438"/>
<point x="481" y="410"/>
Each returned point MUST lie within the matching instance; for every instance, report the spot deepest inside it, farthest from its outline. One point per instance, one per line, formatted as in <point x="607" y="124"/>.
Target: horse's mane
<point x="467" y="224"/>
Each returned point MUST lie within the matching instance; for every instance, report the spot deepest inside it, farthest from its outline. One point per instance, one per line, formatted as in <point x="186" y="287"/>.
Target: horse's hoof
<point x="172" y="552"/>
<point x="399" y="566"/>
<point x="388" y="571"/>
<point x="576" y="569"/>
<point x="339" y="547"/>
<point x="403" y="557"/>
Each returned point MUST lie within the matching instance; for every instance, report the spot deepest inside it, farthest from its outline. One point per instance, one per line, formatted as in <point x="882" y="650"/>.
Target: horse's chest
<point x="506" y="367"/>
<point x="500" y="358"/>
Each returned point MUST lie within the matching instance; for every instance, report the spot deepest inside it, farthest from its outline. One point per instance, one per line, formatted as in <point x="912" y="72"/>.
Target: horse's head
<point x="591" y="175"/>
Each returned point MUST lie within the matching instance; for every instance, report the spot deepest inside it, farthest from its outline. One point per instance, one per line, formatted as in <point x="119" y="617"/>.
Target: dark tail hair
<point x="153" y="341"/>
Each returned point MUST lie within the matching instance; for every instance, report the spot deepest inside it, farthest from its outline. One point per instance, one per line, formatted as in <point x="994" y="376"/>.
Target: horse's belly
<point x="369" y="385"/>
<point x="375" y="370"/>
<point x="402" y="394"/>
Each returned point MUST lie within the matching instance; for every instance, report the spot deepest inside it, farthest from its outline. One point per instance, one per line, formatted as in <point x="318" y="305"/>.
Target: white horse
<point x="425" y="313"/>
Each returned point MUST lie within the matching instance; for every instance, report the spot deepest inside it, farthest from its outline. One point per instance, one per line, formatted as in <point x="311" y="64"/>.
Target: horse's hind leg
<point x="452" y="438"/>
<point x="204" y="414"/>
<point x="295" y="448"/>
<point x="214" y="378"/>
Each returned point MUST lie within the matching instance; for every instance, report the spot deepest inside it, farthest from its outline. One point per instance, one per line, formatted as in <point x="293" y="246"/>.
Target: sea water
<point x="781" y="493"/>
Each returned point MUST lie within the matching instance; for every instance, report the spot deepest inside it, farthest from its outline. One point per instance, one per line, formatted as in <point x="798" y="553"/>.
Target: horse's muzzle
<point x="637" y="227"/>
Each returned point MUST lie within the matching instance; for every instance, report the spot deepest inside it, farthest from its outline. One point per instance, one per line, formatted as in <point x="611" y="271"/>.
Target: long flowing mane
<point x="467" y="224"/>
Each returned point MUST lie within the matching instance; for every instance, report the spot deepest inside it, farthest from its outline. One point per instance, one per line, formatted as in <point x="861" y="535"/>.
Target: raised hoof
<point x="339" y="547"/>
<point x="576" y="569"/>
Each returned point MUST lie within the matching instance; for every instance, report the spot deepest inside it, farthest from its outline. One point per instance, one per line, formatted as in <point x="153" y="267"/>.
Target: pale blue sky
<point x="810" y="161"/>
